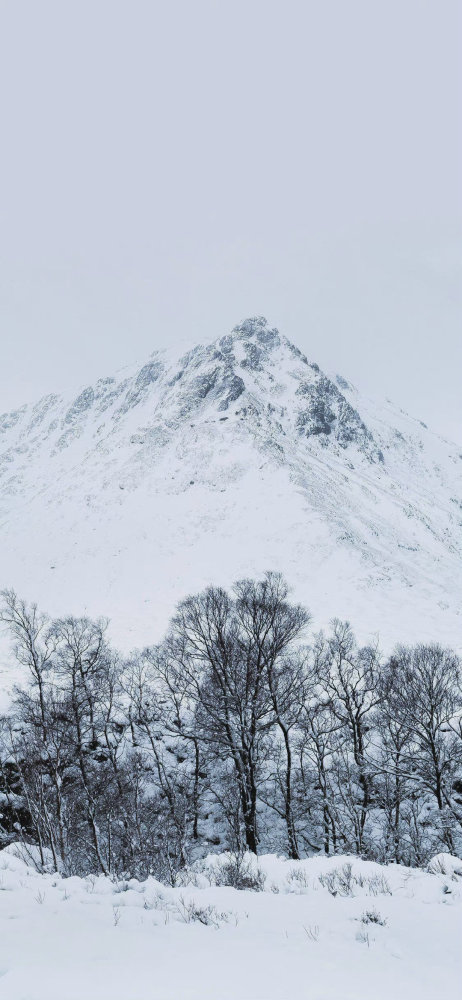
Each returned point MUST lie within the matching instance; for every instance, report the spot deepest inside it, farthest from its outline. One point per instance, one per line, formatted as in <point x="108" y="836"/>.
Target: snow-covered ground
<point x="389" y="933"/>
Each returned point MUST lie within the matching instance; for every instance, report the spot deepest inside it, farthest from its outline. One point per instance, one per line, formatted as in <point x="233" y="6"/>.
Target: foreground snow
<point x="397" y="935"/>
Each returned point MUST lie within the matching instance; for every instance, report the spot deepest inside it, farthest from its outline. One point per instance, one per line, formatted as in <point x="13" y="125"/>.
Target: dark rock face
<point x="342" y="382"/>
<point x="110" y="391"/>
<point x="327" y="412"/>
<point x="253" y="326"/>
<point x="253" y="360"/>
<point x="234" y="387"/>
<point x="219" y="383"/>
<point x="203" y="384"/>
<point x="145" y="378"/>
<point x="268" y="337"/>
<point x="217" y="373"/>
<point x="256" y="328"/>
<point x="176" y="378"/>
<point x="226" y="345"/>
<point x="9" y="420"/>
<point x="40" y="411"/>
<point x="83" y="402"/>
<point x="148" y="374"/>
<point x="317" y="418"/>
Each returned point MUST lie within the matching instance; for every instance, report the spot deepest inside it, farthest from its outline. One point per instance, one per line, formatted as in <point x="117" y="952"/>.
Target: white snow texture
<point x="390" y="932"/>
<point x="240" y="457"/>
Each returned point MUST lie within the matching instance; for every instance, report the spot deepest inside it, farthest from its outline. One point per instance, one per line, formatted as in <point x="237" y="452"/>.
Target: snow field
<point x="323" y="929"/>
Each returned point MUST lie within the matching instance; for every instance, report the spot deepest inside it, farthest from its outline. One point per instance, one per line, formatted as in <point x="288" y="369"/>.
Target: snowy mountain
<point x="238" y="457"/>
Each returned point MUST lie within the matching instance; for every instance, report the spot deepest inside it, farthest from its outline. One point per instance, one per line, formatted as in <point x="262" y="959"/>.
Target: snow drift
<point x="388" y="932"/>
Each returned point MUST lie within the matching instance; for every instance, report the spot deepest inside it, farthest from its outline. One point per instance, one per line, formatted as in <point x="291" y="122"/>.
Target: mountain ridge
<point x="240" y="456"/>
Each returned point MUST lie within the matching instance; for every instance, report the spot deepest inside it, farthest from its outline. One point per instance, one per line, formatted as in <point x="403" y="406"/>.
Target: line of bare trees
<point x="235" y="732"/>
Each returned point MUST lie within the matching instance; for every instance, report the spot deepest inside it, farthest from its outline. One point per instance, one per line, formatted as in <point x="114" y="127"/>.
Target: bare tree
<point x="231" y="647"/>
<point x="231" y="731"/>
<point x="34" y="642"/>
<point x="349" y="678"/>
<point x="424" y="696"/>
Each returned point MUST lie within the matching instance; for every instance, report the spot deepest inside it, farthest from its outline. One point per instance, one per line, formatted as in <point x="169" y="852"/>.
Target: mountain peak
<point x="281" y="391"/>
<point x="258" y="328"/>
<point x="266" y="338"/>
<point x="124" y="483"/>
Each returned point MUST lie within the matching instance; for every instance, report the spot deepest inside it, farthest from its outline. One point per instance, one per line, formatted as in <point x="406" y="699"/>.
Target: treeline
<point x="239" y="731"/>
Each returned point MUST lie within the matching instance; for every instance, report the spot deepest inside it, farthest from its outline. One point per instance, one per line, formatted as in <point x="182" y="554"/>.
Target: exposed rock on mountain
<point x="239" y="457"/>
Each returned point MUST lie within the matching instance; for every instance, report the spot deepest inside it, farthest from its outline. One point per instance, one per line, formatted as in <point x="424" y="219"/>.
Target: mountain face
<point x="241" y="456"/>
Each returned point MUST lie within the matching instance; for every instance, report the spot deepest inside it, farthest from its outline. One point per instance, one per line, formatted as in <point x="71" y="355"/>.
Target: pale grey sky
<point x="168" y="168"/>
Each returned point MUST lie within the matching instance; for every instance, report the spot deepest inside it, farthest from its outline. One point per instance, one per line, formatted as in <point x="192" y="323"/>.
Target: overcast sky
<point x="168" y="168"/>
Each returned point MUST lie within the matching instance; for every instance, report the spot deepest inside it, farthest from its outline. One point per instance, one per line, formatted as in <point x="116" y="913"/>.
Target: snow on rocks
<point x="241" y="456"/>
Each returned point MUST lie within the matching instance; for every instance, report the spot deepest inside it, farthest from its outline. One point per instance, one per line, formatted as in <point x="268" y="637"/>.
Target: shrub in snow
<point x="378" y="886"/>
<point x="312" y="932"/>
<point x="373" y="917"/>
<point x="192" y="912"/>
<point x="298" y="879"/>
<point x="239" y="872"/>
<point x="445" y="864"/>
<point x="343" y="882"/>
<point x="340" y="881"/>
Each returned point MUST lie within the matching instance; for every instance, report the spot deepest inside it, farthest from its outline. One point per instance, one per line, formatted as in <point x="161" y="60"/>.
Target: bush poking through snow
<point x="157" y="940"/>
<point x="238" y="872"/>
<point x="298" y="879"/>
<point x="191" y="913"/>
<point x="373" y="917"/>
<point x="187" y="910"/>
<point x="378" y="886"/>
<point x="342" y="882"/>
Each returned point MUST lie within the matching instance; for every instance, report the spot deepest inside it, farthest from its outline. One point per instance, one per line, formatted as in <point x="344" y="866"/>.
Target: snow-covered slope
<point x="239" y="457"/>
